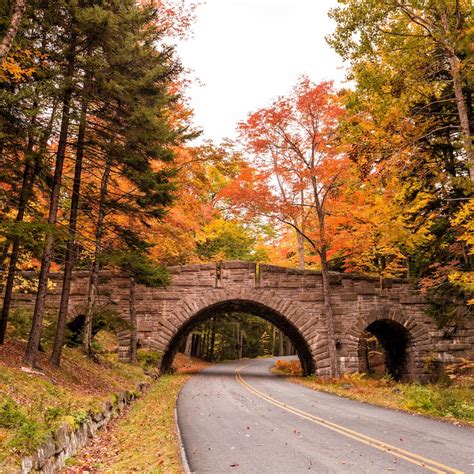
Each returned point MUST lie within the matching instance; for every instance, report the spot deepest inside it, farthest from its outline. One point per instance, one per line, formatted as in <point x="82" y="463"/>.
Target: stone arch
<point x="282" y="314"/>
<point x="400" y="335"/>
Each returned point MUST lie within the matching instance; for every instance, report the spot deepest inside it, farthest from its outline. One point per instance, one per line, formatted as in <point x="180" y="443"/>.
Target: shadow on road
<point x="225" y="370"/>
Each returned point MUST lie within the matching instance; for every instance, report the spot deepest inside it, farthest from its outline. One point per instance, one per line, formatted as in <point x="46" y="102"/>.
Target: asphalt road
<point x="238" y="417"/>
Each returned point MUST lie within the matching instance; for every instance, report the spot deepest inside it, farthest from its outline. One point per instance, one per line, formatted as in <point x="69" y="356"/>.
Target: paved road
<point x="237" y="417"/>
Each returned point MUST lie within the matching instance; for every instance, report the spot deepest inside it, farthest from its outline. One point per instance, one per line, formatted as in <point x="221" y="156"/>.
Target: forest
<point x="101" y="166"/>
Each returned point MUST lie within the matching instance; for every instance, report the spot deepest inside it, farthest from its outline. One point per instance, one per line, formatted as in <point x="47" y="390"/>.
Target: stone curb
<point x="65" y="442"/>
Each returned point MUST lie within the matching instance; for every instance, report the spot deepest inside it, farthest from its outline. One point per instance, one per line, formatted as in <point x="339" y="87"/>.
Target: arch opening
<point x="384" y="349"/>
<point x="241" y="306"/>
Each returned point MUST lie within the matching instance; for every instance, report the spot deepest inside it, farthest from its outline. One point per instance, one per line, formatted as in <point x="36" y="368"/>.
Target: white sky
<point x="247" y="52"/>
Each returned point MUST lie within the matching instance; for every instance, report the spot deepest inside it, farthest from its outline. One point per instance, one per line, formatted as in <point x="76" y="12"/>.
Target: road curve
<point x="238" y="417"/>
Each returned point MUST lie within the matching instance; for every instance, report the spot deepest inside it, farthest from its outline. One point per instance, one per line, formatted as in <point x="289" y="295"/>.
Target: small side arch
<point x="400" y="336"/>
<point x="250" y="306"/>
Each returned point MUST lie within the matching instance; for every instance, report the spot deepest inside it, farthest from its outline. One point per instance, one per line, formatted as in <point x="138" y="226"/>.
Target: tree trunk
<point x="273" y="340"/>
<point x="281" y="350"/>
<point x="300" y="239"/>
<point x="237" y="333"/>
<point x="133" y="323"/>
<point x="18" y="9"/>
<point x="36" y="326"/>
<point x="213" y="338"/>
<point x="25" y="193"/>
<point x="241" y="344"/>
<point x="455" y="65"/>
<point x="188" y="348"/>
<point x="331" y="334"/>
<point x="300" y="235"/>
<point x="71" y="239"/>
<point x="94" y="275"/>
<point x="322" y="251"/>
<point x="204" y="346"/>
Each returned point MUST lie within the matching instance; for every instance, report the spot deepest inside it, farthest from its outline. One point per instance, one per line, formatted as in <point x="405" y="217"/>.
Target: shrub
<point x="11" y="415"/>
<point x="148" y="358"/>
<point x="28" y="433"/>
<point x="29" y="436"/>
<point x="291" y="367"/>
<point x="52" y="414"/>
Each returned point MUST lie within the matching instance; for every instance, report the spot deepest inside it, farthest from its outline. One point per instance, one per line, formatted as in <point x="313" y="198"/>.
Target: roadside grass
<point x="145" y="438"/>
<point x="32" y="405"/>
<point x="454" y="402"/>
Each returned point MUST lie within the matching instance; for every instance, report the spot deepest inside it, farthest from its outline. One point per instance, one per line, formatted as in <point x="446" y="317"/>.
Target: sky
<point x="245" y="53"/>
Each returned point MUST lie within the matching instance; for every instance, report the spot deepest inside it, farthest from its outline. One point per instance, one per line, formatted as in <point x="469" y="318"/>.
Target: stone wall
<point x="292" y="299"/>
<point x="65" y="442"/>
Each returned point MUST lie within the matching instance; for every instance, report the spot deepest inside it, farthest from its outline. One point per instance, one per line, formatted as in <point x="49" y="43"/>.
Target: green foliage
<point x="148" y="358"/>
<point x="138" y="265"/>
<point x="438" y="400"/>
<point x="20" y="322"/>
<point x="52" y="414"/>
<point x="28" y="433"/>
<point x="11" y="414"/>
<point x="448" y="305"/>
<point x="256" y="334"/>
<point x="228" y="240"/>
<point x="103" y="319"/>
<point x="80" y="417"/>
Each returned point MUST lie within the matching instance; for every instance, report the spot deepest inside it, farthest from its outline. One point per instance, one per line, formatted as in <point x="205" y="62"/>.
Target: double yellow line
<point x="413" y="458"/>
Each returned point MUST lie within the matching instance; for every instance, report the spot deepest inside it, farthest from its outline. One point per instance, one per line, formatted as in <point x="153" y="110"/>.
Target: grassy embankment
<point x="453" y="401"/>
<point x="32" y="405"/>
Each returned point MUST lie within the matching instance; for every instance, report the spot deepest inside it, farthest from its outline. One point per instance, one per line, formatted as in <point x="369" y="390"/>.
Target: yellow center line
<point x="421" y="461"/>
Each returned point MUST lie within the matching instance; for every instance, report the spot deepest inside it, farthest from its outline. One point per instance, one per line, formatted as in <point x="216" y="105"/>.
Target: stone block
<point x="144" y="326"/>
<point x="44" y="452"/>
<point x="348" y="296"/>
<point x="61" y="437"/>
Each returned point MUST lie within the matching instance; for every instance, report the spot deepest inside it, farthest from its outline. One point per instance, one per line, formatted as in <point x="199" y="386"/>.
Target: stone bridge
<point x="290" y="299"/>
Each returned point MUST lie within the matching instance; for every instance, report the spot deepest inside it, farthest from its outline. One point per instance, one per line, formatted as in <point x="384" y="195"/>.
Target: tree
<point x="227" y="240"/>
<point x="35" y="334"/>
<point x="416" y="37"/>
<point x="142" y="134"/>
<point x="294" y="144"/>
<point x="25" y="131"/>
<point x="18" y="8"/>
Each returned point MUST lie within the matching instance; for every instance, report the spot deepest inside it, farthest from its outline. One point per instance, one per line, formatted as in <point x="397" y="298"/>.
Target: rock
<point x="61" y="437"/>
<point x="346" y="386"/>
<point x="91" y="426"/>
<point x="44" y="452"/>
<point x="81" y="435"/>
<point x="51" y="466"/>
<point x="97" y="416"/>
<point x="26" y="465"/>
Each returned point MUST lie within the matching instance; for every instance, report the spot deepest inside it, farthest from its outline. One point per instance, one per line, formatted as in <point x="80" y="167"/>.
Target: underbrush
<point x="453" y="401"/>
